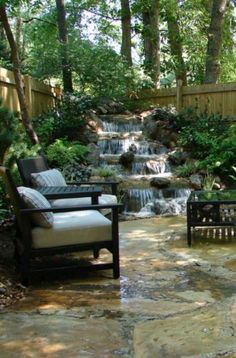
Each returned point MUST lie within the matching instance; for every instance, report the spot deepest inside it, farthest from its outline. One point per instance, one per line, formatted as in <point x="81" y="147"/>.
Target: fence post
<point x="28" y="94"/>
<point x="179" y="95"/>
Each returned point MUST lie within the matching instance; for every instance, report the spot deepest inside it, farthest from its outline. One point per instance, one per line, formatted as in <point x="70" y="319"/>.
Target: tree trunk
<point x="126" y="31"/>
<point x="215" y="34"/>
<point x="18" y="79"/>
<point x="175" y="41"/>
<point x="151" y="41"/>
<point x="63" y="37"/>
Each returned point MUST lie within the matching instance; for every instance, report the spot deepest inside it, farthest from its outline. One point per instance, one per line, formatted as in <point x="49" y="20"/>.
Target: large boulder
<point x="126" y="159"/>
<point x="94" y="122"/>
<point x="156" y="130"/>
<point x="157" y="126"/>
<point x="160" y="182"/>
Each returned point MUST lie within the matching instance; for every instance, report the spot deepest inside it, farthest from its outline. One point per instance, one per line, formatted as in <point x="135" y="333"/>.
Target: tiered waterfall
<point x="122" y="133"/>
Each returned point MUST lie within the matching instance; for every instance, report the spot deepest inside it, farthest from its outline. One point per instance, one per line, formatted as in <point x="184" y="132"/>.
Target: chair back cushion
<point x="51" y="177"/>
<point x="34" y="200"/>
<point x="30" y="165"/>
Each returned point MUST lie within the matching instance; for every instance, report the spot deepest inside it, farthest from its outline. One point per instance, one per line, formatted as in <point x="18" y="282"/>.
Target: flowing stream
<point x="121" y="134"/>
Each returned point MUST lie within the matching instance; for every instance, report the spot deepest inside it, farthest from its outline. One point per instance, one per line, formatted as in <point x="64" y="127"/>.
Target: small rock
<point x="196" y="181"/>
<point x="160" y="182"/>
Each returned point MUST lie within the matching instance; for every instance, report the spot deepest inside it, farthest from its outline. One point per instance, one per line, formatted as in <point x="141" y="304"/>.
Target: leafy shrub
<point x="209" y="138"/>
<point x="66" y="120"/>
<point x="8" y="130"/>
<point x="105" y="172"/>
<point x="20" y="149"/>
<point x="63" y="152"/>
<point x="233" y="176"/>
<point x="165" y="114"/>
<point x="208" y="181"/>
<point x="187" y="169"/>
<point x="221" y="157"/>
<point x="4" y="210"/>
<point x="76" y="172"/>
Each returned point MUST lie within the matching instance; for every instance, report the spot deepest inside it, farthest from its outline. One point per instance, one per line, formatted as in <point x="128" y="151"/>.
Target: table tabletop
<point x="66" y="192"/>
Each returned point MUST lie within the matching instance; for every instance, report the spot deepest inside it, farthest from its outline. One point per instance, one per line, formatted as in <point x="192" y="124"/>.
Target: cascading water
<point x="150" y="202"/>
<point x="151" y="160"/>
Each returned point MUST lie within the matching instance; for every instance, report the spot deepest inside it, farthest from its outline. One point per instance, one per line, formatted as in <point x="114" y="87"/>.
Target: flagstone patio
<point x="171" y="301"/>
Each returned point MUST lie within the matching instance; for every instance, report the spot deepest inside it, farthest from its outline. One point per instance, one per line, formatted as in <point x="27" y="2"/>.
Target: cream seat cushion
<point x="71" y="228"/>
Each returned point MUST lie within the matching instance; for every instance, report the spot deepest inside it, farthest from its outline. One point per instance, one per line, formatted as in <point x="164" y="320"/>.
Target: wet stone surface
<point x="171" y="301"/>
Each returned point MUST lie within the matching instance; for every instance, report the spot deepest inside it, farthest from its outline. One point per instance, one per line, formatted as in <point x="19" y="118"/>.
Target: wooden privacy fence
<point x="218" y="98"/>
<point x="39" y="97"/>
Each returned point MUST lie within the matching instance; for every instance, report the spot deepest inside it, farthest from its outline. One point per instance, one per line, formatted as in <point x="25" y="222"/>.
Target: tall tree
<point x="63" y="37"/>
<point x="151" y="40"/>
<point x="126" y="49"/>
<point x="175" y="40"/>
<point x="18" y="79"/>
<point x="215" y="34"/>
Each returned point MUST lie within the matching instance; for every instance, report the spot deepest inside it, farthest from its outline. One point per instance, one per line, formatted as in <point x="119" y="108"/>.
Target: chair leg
<point x="116" y="272"/>
<point x="25" y="270"/>
<point x="116" y="261"/>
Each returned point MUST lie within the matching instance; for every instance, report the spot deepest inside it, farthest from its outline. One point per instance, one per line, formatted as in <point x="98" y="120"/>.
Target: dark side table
<point x="66" y="192"/>
<point x="210" y="208"/>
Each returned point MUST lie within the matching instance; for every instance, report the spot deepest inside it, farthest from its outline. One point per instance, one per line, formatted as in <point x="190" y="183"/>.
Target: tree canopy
<point x="106" y="47"/>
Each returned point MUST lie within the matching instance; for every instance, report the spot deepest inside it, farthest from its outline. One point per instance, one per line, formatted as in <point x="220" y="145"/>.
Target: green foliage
<point x="233" y="176"/>
<point x="76" y="172"/>
<point x="186" y="169"/>
<point x="221" y="157"/>
<point x="65" y="121"/>
<point x="100" y="71"/>
<point x="4" y="211"/>
<point x="208" y="182"/>
<point x="8" y="131"/>
<point x="105" y="172"/>
<point x="209" y="138"/>
<point x="63" y="152"/>
<point x="21" y="148"/>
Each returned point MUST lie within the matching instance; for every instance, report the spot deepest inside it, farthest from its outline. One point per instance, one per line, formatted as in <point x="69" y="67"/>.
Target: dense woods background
<point x="108" y="47"/>
<point x="95" y="49"/>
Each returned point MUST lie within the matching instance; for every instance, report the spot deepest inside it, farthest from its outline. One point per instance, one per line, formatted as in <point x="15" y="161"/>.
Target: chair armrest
<point x="113" y="184"/>
<point x="72" y="208"/>
<point x="114" y="213"/>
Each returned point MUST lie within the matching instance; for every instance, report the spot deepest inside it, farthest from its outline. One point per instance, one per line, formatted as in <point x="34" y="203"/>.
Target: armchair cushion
<point x="51" y="177"/>
<point x="103" y="199"/>
<point x="34" y="200"/>
<point x="70" y="228"/>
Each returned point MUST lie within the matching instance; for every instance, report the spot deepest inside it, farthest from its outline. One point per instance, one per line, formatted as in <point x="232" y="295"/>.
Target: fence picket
<point x="39" y="96"/>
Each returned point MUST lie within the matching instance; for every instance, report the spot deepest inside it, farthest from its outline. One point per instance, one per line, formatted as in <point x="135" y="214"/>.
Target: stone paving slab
<point x="54" y="336"/>
<point x="198" y="334"/>
<point x="170" y="301"/>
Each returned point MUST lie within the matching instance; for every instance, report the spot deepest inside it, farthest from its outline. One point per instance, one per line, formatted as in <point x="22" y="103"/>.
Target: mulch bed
<point x="10" y="288"/>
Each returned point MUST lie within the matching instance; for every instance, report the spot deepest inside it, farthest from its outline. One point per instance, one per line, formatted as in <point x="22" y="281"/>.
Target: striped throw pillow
<point x="51" y="177"/>
<point x="34" y="200"/>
